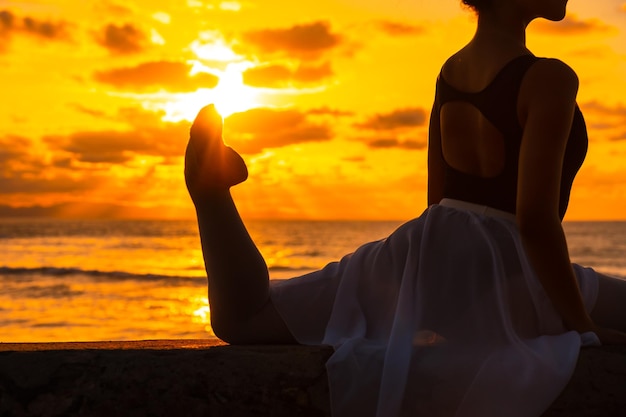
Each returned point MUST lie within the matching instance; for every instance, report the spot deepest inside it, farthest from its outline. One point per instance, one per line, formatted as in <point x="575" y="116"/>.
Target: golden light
<point x="203" y="313"/>
<point x="213" y="48"/>
<point x="229" y="96"/>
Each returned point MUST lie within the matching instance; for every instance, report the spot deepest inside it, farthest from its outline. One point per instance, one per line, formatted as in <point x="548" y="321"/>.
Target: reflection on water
<point x="119" y="280"/>
<point x="67" y="280"/>
<point x="35" y="307"/>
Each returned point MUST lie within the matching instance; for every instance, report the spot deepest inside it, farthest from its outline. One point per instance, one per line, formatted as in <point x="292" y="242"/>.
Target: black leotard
<point x="498" y="103"/>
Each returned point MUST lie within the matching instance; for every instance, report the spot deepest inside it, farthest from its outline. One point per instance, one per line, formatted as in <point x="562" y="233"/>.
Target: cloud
<point x="398" y="28"/>
<point x="603" y="116"/>
<point x="147" y="135"/>
<point x="48" y="30"/>
<point x="60" y="183"/>
<point x="7" y="21"/>
<point x="24" y="171"/>
<point x="609" y="119"/>
<point x="618" y="137"/>
<point x="604" y="110"/>
<point x="253" y="131"/>
<point x="167" y="75"/>
<point x="113" y="8"/>
<point x="101" y="146"/>
<point x="572" y="25"/>
<point x="86" y="110"/>
<point x="385" y="143"/>
<point x="302" y="41"/>
<point x="122" y="39"/>
<point x="397" y="119"/>
<point x="354" y="159"/>
<point x="281" y="76"/>
<point x="327" y="111"/>
<point x="248" y="132"/>
<point x="11" y="24"/>
<point x="13" y="147"/>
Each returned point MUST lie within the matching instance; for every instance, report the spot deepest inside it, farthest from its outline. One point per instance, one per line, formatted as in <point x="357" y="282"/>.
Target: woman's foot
<point x="209" y="164"/>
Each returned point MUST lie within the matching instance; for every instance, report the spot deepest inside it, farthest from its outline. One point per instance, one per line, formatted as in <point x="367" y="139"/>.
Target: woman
<point x="474" y="308"/>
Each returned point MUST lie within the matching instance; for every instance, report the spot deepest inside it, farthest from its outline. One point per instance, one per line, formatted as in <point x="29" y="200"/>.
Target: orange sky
<point x="328" y="101"/>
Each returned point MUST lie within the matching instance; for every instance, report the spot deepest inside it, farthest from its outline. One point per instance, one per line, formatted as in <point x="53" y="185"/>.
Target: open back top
<point x="498" y="104"/>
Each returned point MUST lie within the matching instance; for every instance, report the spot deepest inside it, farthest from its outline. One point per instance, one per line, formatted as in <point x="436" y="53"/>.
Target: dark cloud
<point x="327" y="111"/>
<point x="110" y="8"/>
<point x="61" y="183"/>
<point x="11" y="24"/>
<point x="608" y="121"/>
<point x="396" y="143"/>
<point x="167" y="75"/>
<point x="399" y="28"/>
<point x="122" y="39"/>
<point x="572" y="25"/>
<point x="23" y="171"/>
<point x="280" y="76"/>
<point x="8" y="22"/>
<point x="398" y="119"/>
<point x="27" y="167"/>
<point x="100" y="146"/>
<point x="354" y="159"/>
<point x="13" y="147"/>
<point x="618" y="137"/>
<point x="258" y="129"/>
<point x="302" y="41"/>
<point x="312" y="74"/>
<point x="19" y="160"/>
<point x="48" y="30"/>
<point x="147" y="135"/>
<point x="602" y="109"/>
<point x="86" y="110"/>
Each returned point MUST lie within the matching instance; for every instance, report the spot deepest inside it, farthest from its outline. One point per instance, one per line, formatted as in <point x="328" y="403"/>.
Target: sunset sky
<point x="327" y="100"/>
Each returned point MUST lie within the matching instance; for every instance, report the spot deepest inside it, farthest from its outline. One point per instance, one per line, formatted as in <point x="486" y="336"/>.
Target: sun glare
<point x="230" y="96"/>
<point x="215" y="49"/>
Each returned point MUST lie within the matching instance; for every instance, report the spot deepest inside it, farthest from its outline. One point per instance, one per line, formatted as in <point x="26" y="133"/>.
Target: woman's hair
<point x="477" y="5"/>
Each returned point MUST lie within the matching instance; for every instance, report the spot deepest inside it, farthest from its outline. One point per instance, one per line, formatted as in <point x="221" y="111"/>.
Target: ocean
<point x="71" y="280"/>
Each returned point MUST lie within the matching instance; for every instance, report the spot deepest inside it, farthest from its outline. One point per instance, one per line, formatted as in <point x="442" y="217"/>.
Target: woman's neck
<point x="499" y="29"/>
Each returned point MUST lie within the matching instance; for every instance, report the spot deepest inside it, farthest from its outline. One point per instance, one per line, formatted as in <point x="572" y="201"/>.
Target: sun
<point x="230" y="96"/>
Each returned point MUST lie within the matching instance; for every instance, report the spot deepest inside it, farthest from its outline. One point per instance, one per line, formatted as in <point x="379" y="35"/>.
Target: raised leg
<point x="241" y="310"/>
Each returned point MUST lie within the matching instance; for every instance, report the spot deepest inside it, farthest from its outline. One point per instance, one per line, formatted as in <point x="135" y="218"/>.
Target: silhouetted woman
<point x="472" y="309"/>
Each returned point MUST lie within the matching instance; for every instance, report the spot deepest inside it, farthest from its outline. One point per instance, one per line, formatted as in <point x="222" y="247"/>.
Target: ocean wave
<point x="110" y="275"/>
<point x="51" y="271"/>
<point x="292" y="268"/>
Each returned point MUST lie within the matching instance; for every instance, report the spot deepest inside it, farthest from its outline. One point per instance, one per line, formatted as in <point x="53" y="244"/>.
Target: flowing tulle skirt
<point x="445" y="317"/>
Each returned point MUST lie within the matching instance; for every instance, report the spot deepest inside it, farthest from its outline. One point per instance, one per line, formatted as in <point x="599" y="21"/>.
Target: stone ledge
<point x="207" y="378"/>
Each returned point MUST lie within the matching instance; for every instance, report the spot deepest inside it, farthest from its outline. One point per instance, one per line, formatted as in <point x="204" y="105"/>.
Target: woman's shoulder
<point x="549" y="79"/>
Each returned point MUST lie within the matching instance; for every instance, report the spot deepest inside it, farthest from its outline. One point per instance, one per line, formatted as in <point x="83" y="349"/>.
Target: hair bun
<point x="477" y="5"/>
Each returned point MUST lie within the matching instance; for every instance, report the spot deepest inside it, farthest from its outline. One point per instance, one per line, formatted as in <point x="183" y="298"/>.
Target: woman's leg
<point x="610" y="308"/>
<point x="241" y="310"/>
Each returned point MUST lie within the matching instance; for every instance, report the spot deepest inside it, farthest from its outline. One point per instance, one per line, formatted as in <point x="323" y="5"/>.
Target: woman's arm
<point x="435" y="158"/>
<point x="547" y="101"/>
<point x="241" y="310"/>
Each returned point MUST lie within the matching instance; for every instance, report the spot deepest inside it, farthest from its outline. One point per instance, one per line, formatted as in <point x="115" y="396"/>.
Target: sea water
<point x="64" y="280"/>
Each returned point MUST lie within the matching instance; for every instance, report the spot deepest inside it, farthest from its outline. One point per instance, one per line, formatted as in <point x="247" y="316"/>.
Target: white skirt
<point x="445" y="317"/>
